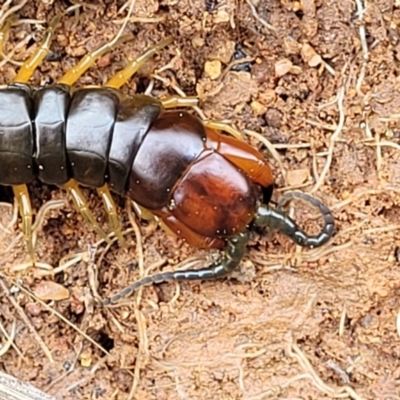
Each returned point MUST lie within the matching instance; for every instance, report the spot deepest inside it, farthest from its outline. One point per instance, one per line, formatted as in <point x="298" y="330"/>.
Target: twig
<point x="141" y="324"/>
<point x="364" y="45"/>
<point x="10" y="338"/>
<point x="25" y="319"/>
<point x="334" y="137"/>
<point x="10" y="11"/>
<point x="258" y="18"/>
<point x="56" y="313"/>
<point x="342" y="320"/>
<point x="294" y="351"/>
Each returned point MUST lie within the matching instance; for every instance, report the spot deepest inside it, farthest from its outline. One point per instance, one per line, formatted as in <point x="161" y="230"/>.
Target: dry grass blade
<point x="363" y="39"/>
<point x="141" y="325"/>
<point x="7" y="58"/>
<point x="294" y="351"/>
<point x="258" y="18"/>
<point x="56" y="313"/>
<point x="14" y="389"/>
<point x="25" y="319"/>
<point x="49" y="205"/>
<point x="334" y="137"/>
<point x="4" y="229"/>
<point x="398" y="324"/>
<point x="385" y="143"/>
<point x="5" y="14"/>
<point x="10" y="338"/>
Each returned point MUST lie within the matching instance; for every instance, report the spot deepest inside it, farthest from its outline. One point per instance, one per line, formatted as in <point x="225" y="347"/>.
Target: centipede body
<point x="205" y="186"/>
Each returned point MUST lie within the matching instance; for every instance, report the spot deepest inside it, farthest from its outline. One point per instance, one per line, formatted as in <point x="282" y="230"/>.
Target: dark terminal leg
<point x="234" y="252"/>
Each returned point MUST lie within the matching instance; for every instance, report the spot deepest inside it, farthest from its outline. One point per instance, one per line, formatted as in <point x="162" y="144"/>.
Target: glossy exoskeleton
<point x="206" y="187"/>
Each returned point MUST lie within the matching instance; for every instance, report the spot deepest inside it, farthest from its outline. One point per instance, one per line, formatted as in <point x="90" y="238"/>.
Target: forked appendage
<point x="234" y="252"/>
<point x="28" y="67"/>
<point x="277" y="219"/>
<point x="121" y="77"/>
<point x="71" y="76"/>
<point x="80" y="204"/>
<point x="25" y="210"/>
<point x="111" y="211"/>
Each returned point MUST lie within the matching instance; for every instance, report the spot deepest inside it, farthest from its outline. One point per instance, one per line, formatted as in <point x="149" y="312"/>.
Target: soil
<point x="319" y="80"/>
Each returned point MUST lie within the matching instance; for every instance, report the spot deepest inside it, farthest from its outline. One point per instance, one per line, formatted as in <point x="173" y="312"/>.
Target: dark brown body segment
<point x="16" y="135"/>
<point x="51" y="106"/>
<point x="134" y="119"/>
<point x="88" y="134"/>
<point x="174" y="141"/>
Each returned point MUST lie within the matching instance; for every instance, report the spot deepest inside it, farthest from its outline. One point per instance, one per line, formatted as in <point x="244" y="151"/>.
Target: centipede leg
<point x="142" y="212"/>
<point x="234" y="252"/>
<point x="178" y="101"/>
<point x="111" y="211"/>
<point x="29" y="66"/>
<point x="192" y="101"/>
<point x="71" y="76"/>
<point x="81" y="205"/>
<point x="25" y="210"/>
<point x="222" y="126"/>
<point x="3" y="32"/>
<point x="121" y="77"/>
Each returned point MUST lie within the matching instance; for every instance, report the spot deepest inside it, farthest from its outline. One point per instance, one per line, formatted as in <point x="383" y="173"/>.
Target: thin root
<point x="10" y="338"/>
<point x="258" y="18"/>
<point x="293" y="351"/>
<point x="333" y="139"/>
<point x="5" y="14"/>
<point x="24" y="317"/>
<point x="50" y="309"/>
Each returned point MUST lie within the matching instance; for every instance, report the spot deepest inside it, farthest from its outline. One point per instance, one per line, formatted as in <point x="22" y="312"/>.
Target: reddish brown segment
<point x="191" y="237"/>
<point x="202" y="184"/>
<point x="214" y="198"/>
<point x="242" y="155"/>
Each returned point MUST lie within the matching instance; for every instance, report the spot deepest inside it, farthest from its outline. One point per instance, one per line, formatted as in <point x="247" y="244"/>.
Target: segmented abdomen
<point x="163" y="160"/>
<point x="91" y="135"/>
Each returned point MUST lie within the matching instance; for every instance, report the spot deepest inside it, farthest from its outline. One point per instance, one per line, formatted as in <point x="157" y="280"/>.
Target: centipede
<point x="204" y="185"/>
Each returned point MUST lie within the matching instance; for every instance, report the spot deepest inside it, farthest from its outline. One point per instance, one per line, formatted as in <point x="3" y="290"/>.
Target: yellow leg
<point x="124" y="75"/>
<point x="71" y="76"/>
<point x="142" y="212"/>
<point x="222" y="126"/>
<point x="3" y="32"/>
<point x="29" y="66"/>
<point x="25" y="210"/>
<point x="177" y="101"/>
<point x="192" y="101"/>
<point x="111" y="210"/>
<point x="81" y="205"/>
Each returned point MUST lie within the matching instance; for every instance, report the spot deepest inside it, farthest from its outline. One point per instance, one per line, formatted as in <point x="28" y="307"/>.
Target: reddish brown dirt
<point x="292" y="324"/>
